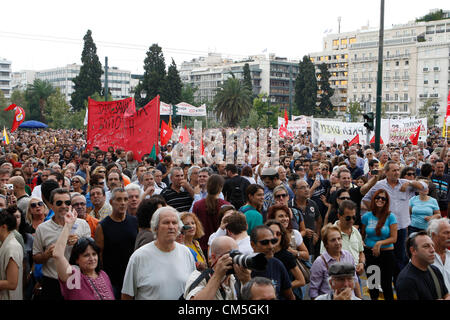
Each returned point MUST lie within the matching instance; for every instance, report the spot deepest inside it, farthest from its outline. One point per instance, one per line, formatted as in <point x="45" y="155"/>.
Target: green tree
<point x="37" y="94"/>
<point x="326" y="92"/>
<point x="432" y="16"/>
<point x="232" y="101"/>
<point x="57" y="106"/>
<point x="6" y="119"/>
<point x="355" y="110"/>
<point x="173" y="85"/>
<point x="427" y="111"/>
<point x="88" y="80"/>
<point x="247" y="77"/>
<point x="188" y="93"/>
<point x="306" y="87"/>
<point x="262" y="108"/>
<point x="153" y="82"/>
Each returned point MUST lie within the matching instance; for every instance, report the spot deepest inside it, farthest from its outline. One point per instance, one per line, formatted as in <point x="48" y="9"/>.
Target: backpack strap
<point x="326" y="264"/>
<point x="206" y="274"/>
<point x="436" y="282"/>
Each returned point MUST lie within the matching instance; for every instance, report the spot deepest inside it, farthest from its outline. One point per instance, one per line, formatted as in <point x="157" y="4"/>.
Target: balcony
<point x="405" y="77"/>
<point x="423" y="95"/>
<point x="434" y="95"/>
<point x="387" y="78"/>
<point x="396" y="78"/>
<point x="425" y="70"/>
<point x="436" y="69"/>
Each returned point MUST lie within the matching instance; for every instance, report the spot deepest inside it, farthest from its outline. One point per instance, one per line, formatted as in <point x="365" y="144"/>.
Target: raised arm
<point x="62" y="265"/>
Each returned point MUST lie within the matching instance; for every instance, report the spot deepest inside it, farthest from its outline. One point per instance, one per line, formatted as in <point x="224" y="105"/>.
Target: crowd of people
<point x="337" y="222"/>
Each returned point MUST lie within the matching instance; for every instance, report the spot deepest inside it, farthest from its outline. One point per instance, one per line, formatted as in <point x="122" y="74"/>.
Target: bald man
<point x="219" y="285"/>
<point x="19" y="191"/>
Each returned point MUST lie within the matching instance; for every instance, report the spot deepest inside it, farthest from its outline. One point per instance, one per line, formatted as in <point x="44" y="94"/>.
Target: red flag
<point x="166" y="133"/>
<point x="373" y="140"/>
<point x="170" y="122"/>
<point x="11" y="106"/>
<point x="202" y="148"/>
<point x="415" y="136"/>
<point x="354" y="140"/>
<point x="184" y="136"/>
<point x="19" y="117"/>
<point x="286" y="119"/>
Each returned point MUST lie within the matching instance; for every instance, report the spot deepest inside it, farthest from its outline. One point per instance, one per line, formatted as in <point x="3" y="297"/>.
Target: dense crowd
<point x="334" y="222"/>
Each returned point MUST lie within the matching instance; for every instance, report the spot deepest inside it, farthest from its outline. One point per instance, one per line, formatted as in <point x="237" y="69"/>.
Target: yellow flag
<point x="5" y="136"/>
<point x="55" y="139"/>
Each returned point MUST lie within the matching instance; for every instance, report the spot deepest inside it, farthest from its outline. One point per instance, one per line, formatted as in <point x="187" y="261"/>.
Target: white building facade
<point x="5" y="77"/>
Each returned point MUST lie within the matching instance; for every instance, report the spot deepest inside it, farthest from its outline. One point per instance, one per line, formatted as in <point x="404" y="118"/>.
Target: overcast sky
<point x="42" y="34"/>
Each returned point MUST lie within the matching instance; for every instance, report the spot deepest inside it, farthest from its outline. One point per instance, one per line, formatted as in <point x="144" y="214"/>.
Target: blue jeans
<point x="401" y="259"/>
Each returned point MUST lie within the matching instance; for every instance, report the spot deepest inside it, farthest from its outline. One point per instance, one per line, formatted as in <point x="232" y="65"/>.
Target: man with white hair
<point x="159" y="270"/>
<point x="439" y="231"/>
<point x="134" y="198"/>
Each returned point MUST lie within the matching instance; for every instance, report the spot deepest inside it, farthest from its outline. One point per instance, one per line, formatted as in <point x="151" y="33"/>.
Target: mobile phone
<point x="185" y="228"/>
<point x="9" y="186"/>
<point x="374" y="172"/>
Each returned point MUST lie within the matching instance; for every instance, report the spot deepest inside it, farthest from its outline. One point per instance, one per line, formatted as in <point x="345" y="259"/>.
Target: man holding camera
<point x="218" y="283"/>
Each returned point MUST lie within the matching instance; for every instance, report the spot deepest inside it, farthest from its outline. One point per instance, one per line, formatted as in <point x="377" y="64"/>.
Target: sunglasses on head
<point x="283" y="195"/>
<point x="348" y="218"/>
<point x="344" y="198"/>
<point x="60" y="202"/>
<point x="267" y="241"/>
<point x="35" y="204"/>
<point x="84" y="240"/>
<point x="380" y="198"/>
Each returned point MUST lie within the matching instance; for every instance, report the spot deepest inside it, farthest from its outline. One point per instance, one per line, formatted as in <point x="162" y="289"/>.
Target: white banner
<point x="185" y="109"/>
<point x="294" y="126"/>
<point x="165" y="109"/>
<point x="336" y="132"/>
<point x="308" y="119"/>
<point x="401" y="129"/>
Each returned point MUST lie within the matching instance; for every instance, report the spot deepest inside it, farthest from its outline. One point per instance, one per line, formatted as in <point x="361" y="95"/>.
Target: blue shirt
<point x="420" y="210"/>
<point x="370" y="221"/>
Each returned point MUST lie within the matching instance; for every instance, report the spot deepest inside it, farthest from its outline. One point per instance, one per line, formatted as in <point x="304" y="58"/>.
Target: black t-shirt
<point x="442" y="184"/>
<point x="287" y="259"/>
<point x="231" y="183"/>
<point x="310" y="215"/>
<point x="323" y="189"/>
<point x="415" y="284"/>
<point x="276" y="271"/>
<point x="181" y="201"/>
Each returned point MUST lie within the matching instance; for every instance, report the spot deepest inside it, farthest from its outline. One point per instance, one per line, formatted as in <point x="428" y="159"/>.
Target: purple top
<point x="80" y="287"/>
<point x="319" y="273"/>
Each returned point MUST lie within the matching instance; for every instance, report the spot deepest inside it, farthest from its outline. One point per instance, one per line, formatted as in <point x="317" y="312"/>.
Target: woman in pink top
<point x="80" y="278"/>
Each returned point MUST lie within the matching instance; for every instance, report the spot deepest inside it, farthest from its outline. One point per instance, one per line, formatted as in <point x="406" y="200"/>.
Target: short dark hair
<point x="231" y="167"/>
<point x="255" y="231"/>
<point x="236" y="223"/>
<point x="146" y="209"/>
<point x="346" y="204"/>
<point x="58" y="191"/>
<point x="7" y="218"/>
<point x="252" y="189"/>
<point x="80" y="247"/>
<point x="426" y="169"/>
<point x="411" y="241"/>
<point x="46" y="189"/>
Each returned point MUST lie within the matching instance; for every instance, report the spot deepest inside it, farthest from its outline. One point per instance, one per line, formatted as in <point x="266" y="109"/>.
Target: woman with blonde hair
<point x="192" y="231"/>
<point x="36" y="212"/>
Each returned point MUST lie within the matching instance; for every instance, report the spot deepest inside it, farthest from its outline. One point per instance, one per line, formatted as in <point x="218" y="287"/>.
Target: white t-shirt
<point x="244" y="245"/>
<point x="298" y="237"/>
<point x="156" y="275"/>
<point x="37" y="193"/>
<point x="47" y="233"/>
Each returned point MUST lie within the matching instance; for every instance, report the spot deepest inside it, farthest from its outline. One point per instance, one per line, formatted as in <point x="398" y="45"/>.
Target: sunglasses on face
<point x="348" y="218"/>
<point x="283" y="195"/>
<point x="410" y="174"/>
<point x="380" y="198"/>
<point x="75" y="181"/>
<point x="35" y="204"/>
<point x="344" y="198"/>
<point x="60" y="202"/>
<point x="267" y="241"/>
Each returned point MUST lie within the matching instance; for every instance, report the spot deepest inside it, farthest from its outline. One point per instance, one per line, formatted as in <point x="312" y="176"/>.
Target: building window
<point x="336" y="42"/>
<point x="352" y="40"/>
<point x="343" y="41"/>
<point x="405" y="108"/>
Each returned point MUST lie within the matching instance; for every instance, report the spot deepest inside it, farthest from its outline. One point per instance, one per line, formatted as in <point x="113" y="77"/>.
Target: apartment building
<point x="5" y="77"/>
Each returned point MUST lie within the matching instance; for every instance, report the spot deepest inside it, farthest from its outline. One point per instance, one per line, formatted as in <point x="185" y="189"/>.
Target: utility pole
<point x="106" y="78"/>
<point x="290" y="91"/>
<point x="379" y="79"/>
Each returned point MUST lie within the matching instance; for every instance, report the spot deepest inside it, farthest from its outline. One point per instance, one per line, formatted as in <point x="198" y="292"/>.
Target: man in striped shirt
<point x="179" y="194"/>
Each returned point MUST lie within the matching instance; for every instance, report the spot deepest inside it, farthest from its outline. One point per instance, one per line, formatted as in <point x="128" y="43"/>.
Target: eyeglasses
<point x="267" y="241"/>
<point x="78" y="204"/>
<point x="380" y="198"/>
<point x="101" y="171"/>
<point x="75" y="181"/>
<point x="60" y="202"/>
<point x="35" y="204"/>
<point x="348" y="218"/>
<point x="344" y="198"/>
<point x="410" y="174"/>
<point x="283" y="195"/>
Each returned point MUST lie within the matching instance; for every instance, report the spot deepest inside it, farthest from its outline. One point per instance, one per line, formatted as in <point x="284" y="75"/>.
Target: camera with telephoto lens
<point x="253" y="261"/>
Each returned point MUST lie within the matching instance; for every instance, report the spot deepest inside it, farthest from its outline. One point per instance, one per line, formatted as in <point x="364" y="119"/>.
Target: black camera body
<point x="253" y="261"/>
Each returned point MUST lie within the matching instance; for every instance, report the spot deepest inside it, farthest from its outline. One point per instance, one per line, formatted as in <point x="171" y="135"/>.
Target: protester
<point x="439" y="232"/>
<point x="342" y="282"/>
<point x="191" y="237"/>
<point x="144" y="216"/>
<point x="423" y="208"/>
<point x="259" y="288"/>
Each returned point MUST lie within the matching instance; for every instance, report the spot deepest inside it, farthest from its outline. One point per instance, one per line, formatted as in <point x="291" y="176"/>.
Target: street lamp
<point x="436" y="109"/>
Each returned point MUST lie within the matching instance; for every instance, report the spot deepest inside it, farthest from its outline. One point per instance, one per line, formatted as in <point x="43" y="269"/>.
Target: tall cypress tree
<point x="88" y="80"/>
<point x="306" y="87"/>
<point x="247" y="77"/>
<point x="326" y="92"/>
<point x="153" y="82"/>
<point x="173" y="85"/>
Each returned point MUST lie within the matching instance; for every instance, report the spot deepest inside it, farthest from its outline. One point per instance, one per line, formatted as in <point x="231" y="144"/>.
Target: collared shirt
<point x="319" y="272"/>
<point x="399" y="201"/>
<point x="352" y="243"/>
<point x="104" y="211"/>
<point x="444" y="268"/>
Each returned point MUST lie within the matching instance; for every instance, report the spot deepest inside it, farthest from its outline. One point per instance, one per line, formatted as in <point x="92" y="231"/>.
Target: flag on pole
<point x="184" y="136"/>
<point x="153" y="153"/>
<point x="54" y="139"/>
<point x="19" y="117"/>
<point x="354" y="140"/>
<point x="166" y="133"/>
<point x="415" y="136"/>
<point x="5" y="136"/>
<point x="202" y="148"/>
<point x="373" y="140"/>
<point x="170" y="122"/>
<point x="10" y="107"/>
<point x="286" y="118"/>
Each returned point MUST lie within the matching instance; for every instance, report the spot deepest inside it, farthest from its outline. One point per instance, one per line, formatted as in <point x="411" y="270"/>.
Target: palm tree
<point x="38" y="93"/>
<point x="233" y="101"/>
